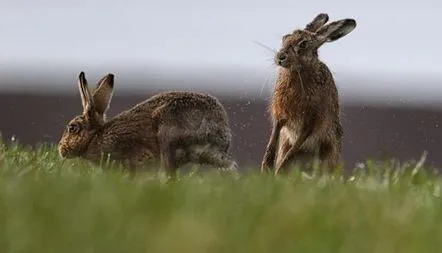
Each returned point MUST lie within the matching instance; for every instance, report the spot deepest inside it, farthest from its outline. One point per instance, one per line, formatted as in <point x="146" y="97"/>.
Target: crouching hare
<point x="304" y="105"/>
<point x="177" y="127"/>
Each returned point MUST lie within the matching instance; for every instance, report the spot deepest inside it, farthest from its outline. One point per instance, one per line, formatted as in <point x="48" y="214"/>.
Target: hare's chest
<point x="292" y="108"/>
<point x="290" y="104"/>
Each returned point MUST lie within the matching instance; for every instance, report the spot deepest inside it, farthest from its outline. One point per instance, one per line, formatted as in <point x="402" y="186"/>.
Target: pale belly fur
<point x="291" y="133"/>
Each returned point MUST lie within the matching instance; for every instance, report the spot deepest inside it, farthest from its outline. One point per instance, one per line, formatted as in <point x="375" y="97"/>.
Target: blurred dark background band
<point x="370" y="131"/>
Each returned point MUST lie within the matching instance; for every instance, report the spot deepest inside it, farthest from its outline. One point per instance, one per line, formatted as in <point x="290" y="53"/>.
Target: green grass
<point x="49" y="205"/>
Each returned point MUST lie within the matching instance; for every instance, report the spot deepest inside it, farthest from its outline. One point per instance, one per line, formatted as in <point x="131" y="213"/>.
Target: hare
<point x="178" y="127"/>
<point x="304" y="105"/>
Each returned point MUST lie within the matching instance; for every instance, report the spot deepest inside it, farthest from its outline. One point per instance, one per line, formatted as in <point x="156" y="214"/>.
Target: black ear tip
<point x="82" y="77"/>
<point x="351" y="22"/>
<point x="111" y="78"/>
<point x="323" y="15"/>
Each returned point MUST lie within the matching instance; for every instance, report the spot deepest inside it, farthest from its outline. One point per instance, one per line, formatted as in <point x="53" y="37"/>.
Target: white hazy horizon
<point x="395" y="43"/>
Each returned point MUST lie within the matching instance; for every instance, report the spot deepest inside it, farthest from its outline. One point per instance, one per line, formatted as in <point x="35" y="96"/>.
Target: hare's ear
<point x="335" y="30"/>
<point x="85" y="94"/>
<point x="103" y="94"/>
<point x="317" y="22"/>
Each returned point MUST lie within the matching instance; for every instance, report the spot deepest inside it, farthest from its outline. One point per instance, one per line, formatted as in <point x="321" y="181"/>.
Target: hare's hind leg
<point x="167" y="150"/>
<point x="329" y="155"/>
<point x="167" y="162"/>
<point x="207" y="144"/>
<point x="175" y="147"/>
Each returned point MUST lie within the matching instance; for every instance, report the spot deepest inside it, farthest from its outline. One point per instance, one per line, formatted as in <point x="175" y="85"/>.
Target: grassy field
<point x="49" y="205"/>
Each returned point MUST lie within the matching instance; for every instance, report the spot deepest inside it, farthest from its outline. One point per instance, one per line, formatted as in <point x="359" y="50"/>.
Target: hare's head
<point x="80" y="131"/>
<point x="301" y="46"/>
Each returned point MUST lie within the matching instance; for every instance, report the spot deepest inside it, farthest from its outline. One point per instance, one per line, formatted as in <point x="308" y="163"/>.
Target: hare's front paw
<point x="267" y="162"/>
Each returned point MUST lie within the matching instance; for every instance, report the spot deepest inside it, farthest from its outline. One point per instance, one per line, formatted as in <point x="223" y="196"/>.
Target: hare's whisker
<point x="264" y="83"/>
<point x="266" y="47"/>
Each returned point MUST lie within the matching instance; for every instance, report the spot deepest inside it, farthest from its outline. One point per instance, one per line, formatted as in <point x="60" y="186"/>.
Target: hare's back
<point x="188" y="105"/>
<point x="178" y="104"/>
<point x="179" y="100"/>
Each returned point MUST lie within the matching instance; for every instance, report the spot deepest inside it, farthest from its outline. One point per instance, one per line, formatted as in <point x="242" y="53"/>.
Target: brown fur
<point x="177" y="127"/>
<point x="304" y="105"/>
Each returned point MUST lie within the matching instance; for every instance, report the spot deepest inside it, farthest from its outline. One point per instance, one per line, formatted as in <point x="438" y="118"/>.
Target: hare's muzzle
<point x="62" y="152"/>
<point x="281" y="59"/>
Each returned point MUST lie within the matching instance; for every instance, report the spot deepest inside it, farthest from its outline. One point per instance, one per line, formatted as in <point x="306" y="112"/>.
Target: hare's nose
<point x="282" y="57"/>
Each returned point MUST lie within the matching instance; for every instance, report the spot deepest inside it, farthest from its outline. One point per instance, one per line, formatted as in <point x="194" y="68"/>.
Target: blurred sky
<point x="397" y="42"/>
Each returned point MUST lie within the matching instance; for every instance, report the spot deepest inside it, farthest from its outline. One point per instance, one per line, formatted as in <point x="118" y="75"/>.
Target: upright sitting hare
<point x="304" y="105"/>
<point x="178" y="127"/>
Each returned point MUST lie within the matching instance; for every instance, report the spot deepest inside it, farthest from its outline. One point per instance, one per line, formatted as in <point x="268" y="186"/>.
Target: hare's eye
<point x="73" y="128"/>
<point x="302" y="44"/>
